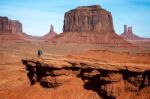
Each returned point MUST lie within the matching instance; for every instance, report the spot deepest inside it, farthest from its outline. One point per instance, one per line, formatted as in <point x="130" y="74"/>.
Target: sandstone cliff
<point x="88" y="19"/>
<point x="89" y="24"/>
<point x="11" y="31"/>
<point x="7" y="25"/>
<point x="108" y="80"/>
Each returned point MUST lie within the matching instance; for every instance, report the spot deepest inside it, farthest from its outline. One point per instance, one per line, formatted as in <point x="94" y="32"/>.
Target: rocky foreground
<point x="108" y="80"/>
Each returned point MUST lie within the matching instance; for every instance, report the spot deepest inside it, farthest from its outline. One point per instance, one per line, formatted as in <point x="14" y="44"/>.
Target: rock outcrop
<point x="89" y="25"/>
<point x="7" y="25"/>
<point x="88" y="19"/>
<point x="108" y="80"/>
<point x="50" y="35"/>
<point x="129" y="35"/>
<point x="11" y="31"/>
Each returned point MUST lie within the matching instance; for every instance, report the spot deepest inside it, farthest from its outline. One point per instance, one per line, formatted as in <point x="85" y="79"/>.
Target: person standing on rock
<point x="40" y="52"/>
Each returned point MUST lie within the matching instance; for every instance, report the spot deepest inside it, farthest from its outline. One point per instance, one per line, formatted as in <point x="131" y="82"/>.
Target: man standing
<point x="40" y="52"/>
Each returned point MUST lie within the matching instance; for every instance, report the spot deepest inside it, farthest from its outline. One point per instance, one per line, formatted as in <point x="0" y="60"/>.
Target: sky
<point x="37" y="15"/>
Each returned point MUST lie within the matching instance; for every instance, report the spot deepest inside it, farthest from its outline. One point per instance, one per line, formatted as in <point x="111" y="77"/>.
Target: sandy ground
<point x="14" y="82"/>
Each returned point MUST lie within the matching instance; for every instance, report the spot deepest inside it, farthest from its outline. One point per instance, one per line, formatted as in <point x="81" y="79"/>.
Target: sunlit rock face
<point x="8" y="25"/>
<point x="107" y="80"/>
<point x="11" y="31"/>
<point x="89" y="25"/>
<point x="88" y="19"/>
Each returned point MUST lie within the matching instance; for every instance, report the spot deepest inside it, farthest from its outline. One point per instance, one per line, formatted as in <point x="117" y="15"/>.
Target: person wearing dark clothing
<point x="40" y="52"/>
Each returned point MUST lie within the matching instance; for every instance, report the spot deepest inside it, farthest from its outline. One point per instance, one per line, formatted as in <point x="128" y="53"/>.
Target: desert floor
<point x="13" y="76"/>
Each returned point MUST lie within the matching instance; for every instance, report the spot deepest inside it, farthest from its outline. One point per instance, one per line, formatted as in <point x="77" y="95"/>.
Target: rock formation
<point x="88" y="19"/>
<point x="109" y="80"/>
<point x="50" y="35"/>
<point x="129" y="35"/>
<point x="7" y="25"/>
<point x="89" y="24"/>
<point x="11" y="30"/>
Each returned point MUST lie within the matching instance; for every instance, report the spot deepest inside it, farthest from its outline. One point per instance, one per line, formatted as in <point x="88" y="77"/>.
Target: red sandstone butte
<point x="90" y="25"/>
<point x="10" y="30"/>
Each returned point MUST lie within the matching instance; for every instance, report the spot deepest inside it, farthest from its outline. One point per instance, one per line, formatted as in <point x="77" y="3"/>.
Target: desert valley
<point x="88" y="60"/>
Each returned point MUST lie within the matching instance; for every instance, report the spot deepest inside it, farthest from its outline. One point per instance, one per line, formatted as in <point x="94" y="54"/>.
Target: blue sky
<point x="37" y="15"/>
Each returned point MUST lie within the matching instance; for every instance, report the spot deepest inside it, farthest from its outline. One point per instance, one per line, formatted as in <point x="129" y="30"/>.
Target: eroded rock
<point x="50" y="35"/>
<point x="88" y="19"/>
<point x="113" y="90"/>
<point x="89" y="25"/>
<point x="8" y="25"/>
<point x="111" y="77"/>
<point x="106" y="82"/>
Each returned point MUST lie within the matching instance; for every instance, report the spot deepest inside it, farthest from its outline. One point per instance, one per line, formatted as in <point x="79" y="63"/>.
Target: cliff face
<point x="89" y="25"/>
<point x="88" y="19"/>
<point x="11" y="30"/>
<point x="7" y="25"/>
<point x="108" y="80"/>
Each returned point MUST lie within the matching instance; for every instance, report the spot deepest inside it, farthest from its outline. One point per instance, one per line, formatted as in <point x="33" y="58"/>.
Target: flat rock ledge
<point x="109" y="80"/>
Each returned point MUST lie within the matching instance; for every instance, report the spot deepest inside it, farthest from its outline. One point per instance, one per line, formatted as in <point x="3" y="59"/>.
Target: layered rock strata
<point x="89" y="25"/>
<point x="88" y="19"/>
<point x="11" y="31"/>
<point x="108" y="80"/>
<point x="7" y="25"/>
